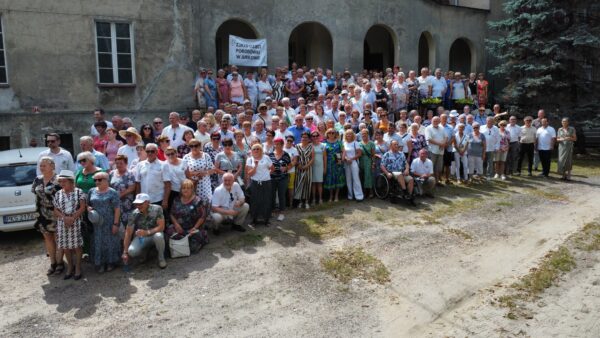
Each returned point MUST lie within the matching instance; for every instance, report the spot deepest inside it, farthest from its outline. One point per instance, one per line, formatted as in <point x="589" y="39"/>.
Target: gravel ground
<point x="269" y="281"/>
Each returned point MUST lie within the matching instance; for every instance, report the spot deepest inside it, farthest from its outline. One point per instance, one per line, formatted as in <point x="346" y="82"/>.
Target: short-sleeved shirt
<point x="419" y="167"/>
<point x="226" y="199"/>
<point x="438" y="86"/>
<point x="527" y="135"/>
<point x="394" y="162"/>
<point x="283" y="161"/>
<point x="544" y="137"/>
<point x="293" y="152"/>
<point x="437" y="134"/>
<point x="151" y="177"/>
<point x="62" y="160"/>
<point x="141" y="221"/>
<point x="263" y="171"/>
<point x="226" y="163"/>
<point x="131" y="154"/>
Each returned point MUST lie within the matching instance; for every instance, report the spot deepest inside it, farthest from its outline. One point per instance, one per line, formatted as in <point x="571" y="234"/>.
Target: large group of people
<point x="256" y="148"/>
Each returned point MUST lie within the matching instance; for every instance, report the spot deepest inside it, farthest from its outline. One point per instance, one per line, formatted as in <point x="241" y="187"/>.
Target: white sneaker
<point x="162" y="264"/>
<point x="503" y="177"/>
<point x="307" y="206"/>
<point x="496" y="176"/>
<point x="280" y="217"/>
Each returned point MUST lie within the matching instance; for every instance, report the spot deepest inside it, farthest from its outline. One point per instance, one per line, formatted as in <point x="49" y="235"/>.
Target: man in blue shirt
<point x="298" y="128"/>
<point x="87" y="144"/>
<point x="393" y="165"/>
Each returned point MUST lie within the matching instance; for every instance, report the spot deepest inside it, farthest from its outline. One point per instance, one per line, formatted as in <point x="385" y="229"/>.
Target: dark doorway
<point x="378" y="52"/>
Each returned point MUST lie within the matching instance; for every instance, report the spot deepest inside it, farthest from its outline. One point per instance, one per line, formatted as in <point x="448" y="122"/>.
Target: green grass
<point x="353" y="262"/>
<point x="504" y="203"/>
<point x="581" y="167"/>
<point x="245" y="240"/>
<point x="458" y="205"/>
<point x="320" y="227"/>
<point x="588" y="239"/>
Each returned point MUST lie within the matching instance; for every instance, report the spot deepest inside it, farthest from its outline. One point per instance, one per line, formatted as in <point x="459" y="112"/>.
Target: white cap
<point x="344" y="92"/>
<point x="66" y="174"/>
<point x="141" y="198"/>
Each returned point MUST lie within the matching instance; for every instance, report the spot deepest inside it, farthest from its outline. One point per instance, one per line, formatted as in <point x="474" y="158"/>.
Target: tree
<point x="548" y="50"/>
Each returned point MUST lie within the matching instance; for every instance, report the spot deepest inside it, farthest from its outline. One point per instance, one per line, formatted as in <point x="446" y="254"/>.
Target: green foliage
<point x="545" y="50"/>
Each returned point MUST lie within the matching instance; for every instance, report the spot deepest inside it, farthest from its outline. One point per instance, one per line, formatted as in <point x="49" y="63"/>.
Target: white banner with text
<point x="247" y="52"/>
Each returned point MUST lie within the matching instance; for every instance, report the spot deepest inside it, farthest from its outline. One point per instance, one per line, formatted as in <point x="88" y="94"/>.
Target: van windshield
<point x="14" y="176"/>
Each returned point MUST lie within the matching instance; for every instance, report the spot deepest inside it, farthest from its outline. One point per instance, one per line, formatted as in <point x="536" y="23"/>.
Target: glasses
<point x="174" y="134"/>
<point x="83" y="160"/>
<point x="215" y="138"/>
<point x="150" y="151"/>
<point x="228" y="145"/>
<point x="314" y="136"/>
<point x="170" y="154"/>
<point x="98" y="180"/>
<point x="51" y="141"/>
<point x="308" y="118"/>
<point x="230" y="197"/>
<point x="147" y="128"/>
<point x="194" y="146"/>
<point x="290" y="140"/>
<point x="158" y="122"/>
<point x="255" y="149"/>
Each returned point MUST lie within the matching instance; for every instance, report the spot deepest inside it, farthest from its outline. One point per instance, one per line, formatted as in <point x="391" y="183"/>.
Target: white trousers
<point x="465" y="162"/>
<point x="353" y="181"/>
<point x="476" y="165"/>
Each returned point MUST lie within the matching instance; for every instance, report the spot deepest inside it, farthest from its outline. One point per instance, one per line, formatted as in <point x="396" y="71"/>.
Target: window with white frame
<point x="3" y="73"/>
<point x="115" y="54"/>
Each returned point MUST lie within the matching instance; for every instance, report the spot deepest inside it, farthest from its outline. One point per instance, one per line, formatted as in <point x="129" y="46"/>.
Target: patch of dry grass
<point x="245" y="240"/>
<point x="547" y="193"/>
<point x="353" y="262"/>
<point x="460" y="233"/>
<point x="320" y="227"/>
<point x="530" y="286"/>
<point x="588" y="239"/>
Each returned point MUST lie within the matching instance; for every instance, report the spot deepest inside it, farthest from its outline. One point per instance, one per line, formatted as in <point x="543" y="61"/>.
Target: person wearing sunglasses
<point x="176" y="171"/>
<point x="106" y="241"/>
<point x="63" y="159"/>
<point x="163" y="142"/>
<point x="198" y="166"/>
<point x="153" y="178"/>
<point x="229" y="203"/>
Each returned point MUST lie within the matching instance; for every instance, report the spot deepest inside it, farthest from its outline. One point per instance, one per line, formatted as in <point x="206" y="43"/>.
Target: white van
<point x="17" y="202"/>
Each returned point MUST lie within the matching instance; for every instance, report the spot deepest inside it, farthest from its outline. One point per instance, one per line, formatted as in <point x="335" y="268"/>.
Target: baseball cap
<point x="141" y="198"/>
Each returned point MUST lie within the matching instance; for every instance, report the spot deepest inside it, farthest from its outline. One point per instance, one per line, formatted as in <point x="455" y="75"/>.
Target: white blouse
<point x="263" y="173"/>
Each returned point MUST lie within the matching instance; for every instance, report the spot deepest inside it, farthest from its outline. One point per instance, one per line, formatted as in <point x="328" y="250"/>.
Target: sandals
<point x="51" y="270"/>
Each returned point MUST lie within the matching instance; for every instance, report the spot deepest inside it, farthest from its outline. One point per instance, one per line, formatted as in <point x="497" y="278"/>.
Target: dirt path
<point x="270" y="282"/>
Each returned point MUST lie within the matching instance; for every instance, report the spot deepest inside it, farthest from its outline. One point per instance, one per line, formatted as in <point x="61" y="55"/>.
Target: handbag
<point x="179" y="246"/>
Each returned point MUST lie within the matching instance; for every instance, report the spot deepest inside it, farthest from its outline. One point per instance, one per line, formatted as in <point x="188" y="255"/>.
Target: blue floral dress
<point x="187" y="214"/>
<point x="120" y="184"/>
<point x="335" y="176"/>
<point x="106" y="246"/>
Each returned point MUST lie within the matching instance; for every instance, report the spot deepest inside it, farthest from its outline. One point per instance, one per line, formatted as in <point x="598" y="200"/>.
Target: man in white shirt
<point x="545" y="138"/>
<point x="288" y="112"/>
<point x="492" y="143"/>
<point x="63" y="160"/>
<point x="357" y="101"/>
<point x="175" y="130"/>
<point x="422" y="171"/>
<point x="513" y="148"/>
<point x="228" y="203"/>
<point x="437" y="140"/>
<point x="99" y="116"/>
<point x="438" y="85"/>
<point x="152" y="177"/>
<point x="321" y="84"/>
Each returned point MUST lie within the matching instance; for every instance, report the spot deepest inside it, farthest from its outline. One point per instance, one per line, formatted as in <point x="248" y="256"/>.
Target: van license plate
<point x="19" y="218"/>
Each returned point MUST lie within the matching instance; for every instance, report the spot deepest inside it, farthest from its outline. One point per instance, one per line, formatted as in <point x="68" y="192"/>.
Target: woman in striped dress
<point x="306" y="157"/>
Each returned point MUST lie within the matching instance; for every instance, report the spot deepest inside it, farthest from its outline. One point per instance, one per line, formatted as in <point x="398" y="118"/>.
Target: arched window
<point x="231" y="27"/>
<point x="461" y="56"/>
<point x="379" y="48"/>
<point x="310" y="44"/>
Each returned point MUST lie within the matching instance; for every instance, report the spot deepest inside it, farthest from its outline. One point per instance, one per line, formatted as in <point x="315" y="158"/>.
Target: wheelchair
<point x="385" y="188"/>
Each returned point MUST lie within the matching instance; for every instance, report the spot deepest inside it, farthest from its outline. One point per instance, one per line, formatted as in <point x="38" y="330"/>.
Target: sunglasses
<point x="194" y="146"/>
<point x="170" y="154"/>
<point x="150" y="151"/>
<point x="256" y="149"/>
<point x="51" y="141"/>
<point x="290" y="140"/>
<point x="98" y="180"/>
<point x="215" y="138"/>
<point x="83" y="160"/>
<point x="230" y="197"/>
<point x="157" y="122"/>
<point x="228" y="145"/>
<point x="165" y="141"/>
<point x="147" y="128"/>
<point x="314" y="135"/>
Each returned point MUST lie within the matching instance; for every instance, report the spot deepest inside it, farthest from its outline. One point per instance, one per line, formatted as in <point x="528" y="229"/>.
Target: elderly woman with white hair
<point x="69" y="206"/>
<point x="45" y="186"/>
<point x="84" y="177"/>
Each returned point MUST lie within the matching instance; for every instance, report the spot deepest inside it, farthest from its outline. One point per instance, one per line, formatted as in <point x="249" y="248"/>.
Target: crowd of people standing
<point x="255" y="148"/>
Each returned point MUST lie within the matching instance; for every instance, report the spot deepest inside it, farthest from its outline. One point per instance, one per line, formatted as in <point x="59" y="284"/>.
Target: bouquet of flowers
<point x="431" y="101"/>
<point x="466" y="101"/>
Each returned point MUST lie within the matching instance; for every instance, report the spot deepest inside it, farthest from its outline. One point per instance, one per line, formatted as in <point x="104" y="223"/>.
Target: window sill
<point x="4" y="85"/>
<point x="116" y="85"/>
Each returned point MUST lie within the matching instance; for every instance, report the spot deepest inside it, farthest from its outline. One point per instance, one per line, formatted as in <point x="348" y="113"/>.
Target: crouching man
<point x="228" y="203"/>
<point x="147" y="222"/>
<point x="422" y="170"/>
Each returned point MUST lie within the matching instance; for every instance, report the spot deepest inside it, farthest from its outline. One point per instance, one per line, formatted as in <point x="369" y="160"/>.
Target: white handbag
<point x="179" y="247"/>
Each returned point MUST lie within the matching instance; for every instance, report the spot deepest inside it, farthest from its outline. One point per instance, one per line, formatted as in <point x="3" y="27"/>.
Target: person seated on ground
<point x="188" y="215"/>
<point x="422" y="170"/>
<point x="228" y="203"/>
<point x="147" y="222"/>
<point x="393" y="164"/>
